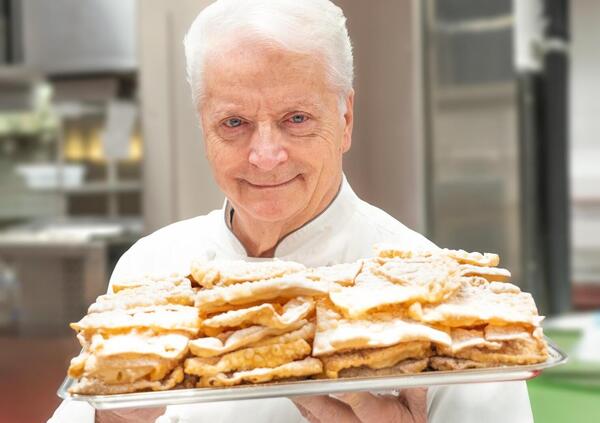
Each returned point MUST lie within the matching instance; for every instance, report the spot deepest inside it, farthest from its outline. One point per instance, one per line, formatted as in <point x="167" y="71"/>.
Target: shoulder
<point x="166" y="250"/>
<point x="205" y="224"/>
<point x="383" y="227"/>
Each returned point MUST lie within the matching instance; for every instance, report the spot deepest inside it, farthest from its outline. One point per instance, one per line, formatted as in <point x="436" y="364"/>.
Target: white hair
<point x="305" y="26"/>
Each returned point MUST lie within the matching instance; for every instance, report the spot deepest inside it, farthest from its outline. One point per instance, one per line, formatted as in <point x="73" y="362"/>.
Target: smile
<point x="269" y="186"/>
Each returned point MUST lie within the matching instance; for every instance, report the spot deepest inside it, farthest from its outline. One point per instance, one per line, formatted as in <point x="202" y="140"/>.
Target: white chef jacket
<point x="344" y="232"/>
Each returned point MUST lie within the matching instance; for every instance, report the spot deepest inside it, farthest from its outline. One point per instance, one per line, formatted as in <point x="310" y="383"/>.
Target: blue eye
<point x="233" y="122"/>
<point x="298" y="118"/>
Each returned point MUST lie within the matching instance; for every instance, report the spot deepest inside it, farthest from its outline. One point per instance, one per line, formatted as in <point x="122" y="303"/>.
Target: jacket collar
<point x="342" y="206"/>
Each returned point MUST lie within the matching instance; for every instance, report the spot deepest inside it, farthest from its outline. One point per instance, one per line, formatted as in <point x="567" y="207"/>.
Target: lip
<point x="269" y="186"/>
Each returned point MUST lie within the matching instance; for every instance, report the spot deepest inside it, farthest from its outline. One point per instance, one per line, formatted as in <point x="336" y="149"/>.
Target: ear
<point x="348" y="122"/>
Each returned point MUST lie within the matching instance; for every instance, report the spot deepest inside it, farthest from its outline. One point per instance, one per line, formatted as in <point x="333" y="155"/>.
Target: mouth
<point x="271" y="185"/>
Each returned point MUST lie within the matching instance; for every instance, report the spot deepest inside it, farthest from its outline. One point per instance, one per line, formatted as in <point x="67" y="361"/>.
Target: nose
<point x="266" y="148"/>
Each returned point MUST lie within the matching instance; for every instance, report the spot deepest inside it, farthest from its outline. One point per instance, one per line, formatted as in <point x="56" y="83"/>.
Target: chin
<point x="269" y="212"/>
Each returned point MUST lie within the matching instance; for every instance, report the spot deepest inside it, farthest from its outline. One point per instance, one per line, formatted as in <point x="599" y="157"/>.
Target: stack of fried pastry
<point x="259" y="319"/>
<point x="236" y="322"/>
<point x="410" y="311"/>
<point x="136" y="337"/>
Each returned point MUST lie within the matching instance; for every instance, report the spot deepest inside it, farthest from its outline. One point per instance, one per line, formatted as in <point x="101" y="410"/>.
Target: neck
<point x="260" y="238"/>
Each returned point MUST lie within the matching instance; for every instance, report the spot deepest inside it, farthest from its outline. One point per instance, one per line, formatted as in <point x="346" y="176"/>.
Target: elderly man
<point x="272" y="83"/>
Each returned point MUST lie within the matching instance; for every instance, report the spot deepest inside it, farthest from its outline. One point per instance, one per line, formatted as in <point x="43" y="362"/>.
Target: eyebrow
<point x="227" y="108"/>
<point x="304" y="103"/>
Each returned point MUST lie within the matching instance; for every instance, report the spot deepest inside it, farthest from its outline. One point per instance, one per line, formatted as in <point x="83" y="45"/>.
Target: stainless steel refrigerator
<point x="496" y="120"/>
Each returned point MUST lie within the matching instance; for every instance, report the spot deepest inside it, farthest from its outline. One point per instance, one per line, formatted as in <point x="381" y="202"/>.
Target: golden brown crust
<point x="302" y="368"/>
<point x="266" y="314"/>
<point x="478" y="302"/>
<point x="400" y="312"/>
<point x="404" y="367"/>
<point x="211" y="273"/>
<point x="376" y="358"/>
<point x="249" y="358"/>
<point x="443" y="363"/>
<point x="398" y="282"/>
<point x="389" y="251"/>
<point x="336" y="333"/>
<point x="518" y="351"/>
<point x="145" y="296"/>
<point x="159" y="318"/>
<point x="343" y="274"/>
<point x="234" y="340"/>
<point x="90" y="386"/>
<point x="288" y="286"/>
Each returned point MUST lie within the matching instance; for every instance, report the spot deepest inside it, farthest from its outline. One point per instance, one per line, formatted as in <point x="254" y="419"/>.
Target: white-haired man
<point x="272" y="83"/>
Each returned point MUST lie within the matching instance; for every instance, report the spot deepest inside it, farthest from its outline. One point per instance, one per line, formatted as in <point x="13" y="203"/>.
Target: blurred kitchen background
<point x="477" y="124"/>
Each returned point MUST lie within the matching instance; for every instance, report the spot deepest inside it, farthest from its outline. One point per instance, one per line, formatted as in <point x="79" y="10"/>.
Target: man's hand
<point x="129" y="415"/>
<point x="362" y="407"/>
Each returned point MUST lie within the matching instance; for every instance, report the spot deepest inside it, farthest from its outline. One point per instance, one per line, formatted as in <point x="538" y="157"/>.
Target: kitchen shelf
<point x="102" y="187"/>
<point x="16" y="74"/>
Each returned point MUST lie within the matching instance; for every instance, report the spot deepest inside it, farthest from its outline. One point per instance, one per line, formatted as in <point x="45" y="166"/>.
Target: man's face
<point x="273" y="130"/>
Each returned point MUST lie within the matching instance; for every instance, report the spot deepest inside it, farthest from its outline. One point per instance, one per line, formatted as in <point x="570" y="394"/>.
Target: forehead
<point x="249" y="74"/>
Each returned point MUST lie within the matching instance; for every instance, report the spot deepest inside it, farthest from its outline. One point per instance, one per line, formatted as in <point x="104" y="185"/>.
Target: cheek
<point x="222" y="155"/>
<point x="322" y="151"/>
<point x="223" y="164"/>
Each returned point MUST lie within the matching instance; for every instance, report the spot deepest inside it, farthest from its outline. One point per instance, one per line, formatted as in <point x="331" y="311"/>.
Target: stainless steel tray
<point x="315" y="387"/>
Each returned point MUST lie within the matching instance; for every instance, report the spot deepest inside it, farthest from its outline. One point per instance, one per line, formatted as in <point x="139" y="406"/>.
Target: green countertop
<point x="567" y="393"/>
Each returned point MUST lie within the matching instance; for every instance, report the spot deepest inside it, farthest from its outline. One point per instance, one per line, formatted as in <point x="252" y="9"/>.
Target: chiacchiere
<point x="235" y="322"/>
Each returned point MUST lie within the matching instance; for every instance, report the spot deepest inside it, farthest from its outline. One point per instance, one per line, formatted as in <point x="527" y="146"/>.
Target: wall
<point x="386" y="164"/>
<point x="584" y="136"/>
<point x="71" y="36"/>
<point x="177" y="180"/>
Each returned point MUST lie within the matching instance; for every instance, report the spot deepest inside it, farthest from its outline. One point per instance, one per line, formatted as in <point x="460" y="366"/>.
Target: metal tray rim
<point x="315" y="387"/>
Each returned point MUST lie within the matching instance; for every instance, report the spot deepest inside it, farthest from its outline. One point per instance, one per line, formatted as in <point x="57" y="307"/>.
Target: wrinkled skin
<point x="129" y="415"/>
<point x="362" y="407"/>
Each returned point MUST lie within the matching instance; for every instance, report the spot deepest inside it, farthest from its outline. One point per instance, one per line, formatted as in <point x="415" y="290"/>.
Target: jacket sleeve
<point x="479" y="402"/>
<point x="73" y="412"/>
<point x="138" y="257"/>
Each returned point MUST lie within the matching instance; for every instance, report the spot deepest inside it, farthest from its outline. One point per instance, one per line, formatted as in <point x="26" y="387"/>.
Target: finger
<point x="371" y="408"/>
<point x="306" y="414"/>
<point x="416" y="401"/>
<point x="129" y="415"/>
<point x="326" y="409"/>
